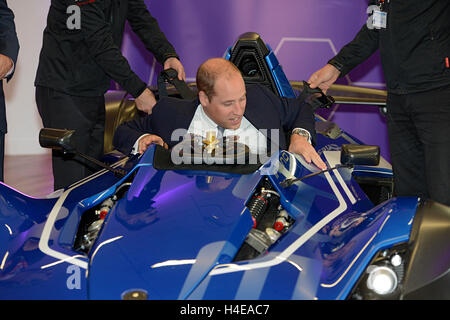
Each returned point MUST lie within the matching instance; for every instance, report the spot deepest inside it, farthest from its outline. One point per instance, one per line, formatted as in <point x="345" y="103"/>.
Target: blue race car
<point x="146" y="228"/>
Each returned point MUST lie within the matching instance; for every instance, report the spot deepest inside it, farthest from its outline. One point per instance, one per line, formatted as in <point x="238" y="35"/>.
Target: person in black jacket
<point x="79" y="57"/>
<point x="9" y="49"/>
<point x="415" y="50"/>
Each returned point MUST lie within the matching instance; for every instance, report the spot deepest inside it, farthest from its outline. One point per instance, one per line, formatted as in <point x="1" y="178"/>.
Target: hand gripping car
<point x="147" y="228"/>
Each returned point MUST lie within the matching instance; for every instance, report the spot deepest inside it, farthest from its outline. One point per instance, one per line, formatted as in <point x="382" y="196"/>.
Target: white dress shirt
<point x="201" y="124"/>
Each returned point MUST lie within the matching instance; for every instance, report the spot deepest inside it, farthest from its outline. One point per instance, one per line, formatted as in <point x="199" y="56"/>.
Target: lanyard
<point x="382" y="4"/>
<point x="378" y="18"/>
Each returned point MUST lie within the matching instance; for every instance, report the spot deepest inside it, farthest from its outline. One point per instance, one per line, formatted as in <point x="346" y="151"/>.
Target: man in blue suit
<point x="226" y="106"/>
<point x="9" y="49"/>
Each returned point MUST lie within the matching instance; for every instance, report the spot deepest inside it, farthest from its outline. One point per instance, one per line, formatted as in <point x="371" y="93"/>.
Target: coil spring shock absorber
<point x="257" y="205"/>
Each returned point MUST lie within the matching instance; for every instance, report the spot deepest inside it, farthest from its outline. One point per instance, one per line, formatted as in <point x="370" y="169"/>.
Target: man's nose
<point x="239" y="108"/>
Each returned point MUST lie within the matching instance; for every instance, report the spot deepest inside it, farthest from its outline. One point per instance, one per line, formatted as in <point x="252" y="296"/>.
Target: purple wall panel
<point x="303" y="33"/>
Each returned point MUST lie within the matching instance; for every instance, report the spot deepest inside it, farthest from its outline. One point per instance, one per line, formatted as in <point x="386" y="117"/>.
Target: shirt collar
<point x="209" y="124"/>
<point x="207" y="121"/>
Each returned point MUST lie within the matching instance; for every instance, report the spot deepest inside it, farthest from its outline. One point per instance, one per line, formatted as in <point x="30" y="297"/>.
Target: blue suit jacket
<point x="9" y="46"/>
<point x="264" y="110"/>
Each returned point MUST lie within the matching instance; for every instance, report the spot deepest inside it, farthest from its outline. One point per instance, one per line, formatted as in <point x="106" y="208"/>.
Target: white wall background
<point x="23" y="119"/>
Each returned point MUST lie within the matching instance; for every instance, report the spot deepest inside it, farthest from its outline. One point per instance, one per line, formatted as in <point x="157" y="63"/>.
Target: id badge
<point x="379" y="19"/>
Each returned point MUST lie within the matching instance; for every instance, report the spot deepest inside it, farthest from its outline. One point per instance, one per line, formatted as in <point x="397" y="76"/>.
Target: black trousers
<point x="419" y="139"/>
<point x="85" y="115"/>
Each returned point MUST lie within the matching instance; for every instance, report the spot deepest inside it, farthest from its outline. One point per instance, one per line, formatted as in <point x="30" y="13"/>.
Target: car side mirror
<point x="355" y="154"/>
<point x="58" y="139"/>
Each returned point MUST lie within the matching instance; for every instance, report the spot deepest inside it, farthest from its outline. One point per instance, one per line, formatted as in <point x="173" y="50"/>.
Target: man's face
<point x="227" y="106"/>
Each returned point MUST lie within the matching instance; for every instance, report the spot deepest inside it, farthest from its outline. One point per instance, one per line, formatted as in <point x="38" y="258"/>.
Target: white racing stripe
<point x="345" y="187"/>
<point x="43" y="242"/>
<point x="333" y="159"/>
<point x="45" y="236"/>
<point x="284" y="255"/>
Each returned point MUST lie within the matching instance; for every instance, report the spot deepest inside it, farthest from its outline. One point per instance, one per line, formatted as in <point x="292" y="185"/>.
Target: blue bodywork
<point x="176" y="239"/>
<point x="174" y="234"/>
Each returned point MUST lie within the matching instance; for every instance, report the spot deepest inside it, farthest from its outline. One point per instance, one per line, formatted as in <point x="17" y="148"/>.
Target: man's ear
<point x="204" y="101"/>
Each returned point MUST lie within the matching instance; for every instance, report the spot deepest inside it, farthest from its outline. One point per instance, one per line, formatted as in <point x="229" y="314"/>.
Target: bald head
<point x="212" y="70"/>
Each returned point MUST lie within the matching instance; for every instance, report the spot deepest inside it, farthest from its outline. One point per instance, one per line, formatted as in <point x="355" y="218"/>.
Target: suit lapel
<point x="181" y="120"/>
<point x="260" y="117"/>
<point x="184" y="118"/>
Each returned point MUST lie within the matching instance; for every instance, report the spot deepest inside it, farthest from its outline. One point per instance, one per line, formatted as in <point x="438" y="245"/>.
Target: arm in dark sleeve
<point x="294" y="113"/>
<point x="148" y="30"/>
<point x="358" y="50"/>
<point x="9" y="44"/>
<point x="299" y="115"/>
<point x="97" y="35"/>
<point x="127" y="133"/>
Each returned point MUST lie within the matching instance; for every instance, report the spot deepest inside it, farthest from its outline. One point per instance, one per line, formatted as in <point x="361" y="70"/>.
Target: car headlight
<point x="381" y="280"/>
<point x="418" y="269"/>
